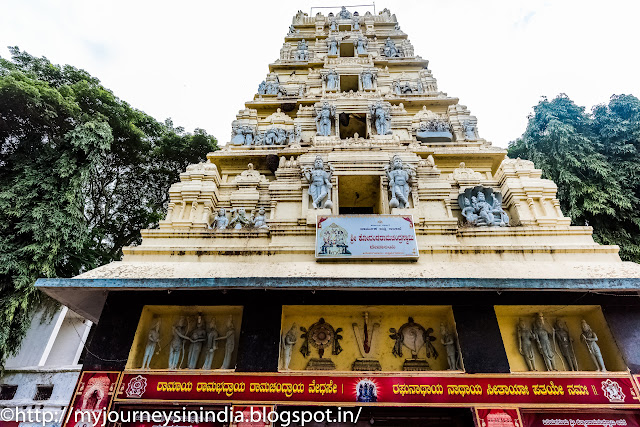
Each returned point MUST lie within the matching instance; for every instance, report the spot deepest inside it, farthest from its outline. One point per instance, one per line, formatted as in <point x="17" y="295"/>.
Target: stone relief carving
<point x="321" y="335"/>
<point x="239" y="219"/>
<point x="319" y="181"/>
<point x="259" y="220"/>
<point x="400" y="180"/>
<point x="153" y="339"/>
<point x="463" y="173"/>
<point x="355" y="23"/>
<point x="361" y="45"/>
<point x="332" y="45"/>
<point x="526" y="339"/>
<point x="176" y="349"/>
<point x="331" y="80"/>
<point x="390" y="50"/>
<point x="243" y="135"/>
<point x="324" y="119"/>
<point x="302" y="54"/>
<point x="275" y="136"/>
<point x="450" y="343"/>
<point x="344" y="13"/>
<point x="470" y="131"/>
<point x="220" y="222"/>
<point x="288" y="341"/>
<point x="481" y="206"/>
<point x="365" y="335"/>
<point x="367" y="78"/>
<point x="544" y="340"/>
<point x="197" y="338"/>
<point x="565" y="344"/>
<point x="591" y="341"/>
<point x="381" y="118"/>
<point x="212" y="344"/>
<point x="414" y="337"/>
<point x="229" y="345"/>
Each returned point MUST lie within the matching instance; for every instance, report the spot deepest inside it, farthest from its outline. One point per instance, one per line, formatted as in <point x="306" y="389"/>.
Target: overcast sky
<point x="198" y="61"/>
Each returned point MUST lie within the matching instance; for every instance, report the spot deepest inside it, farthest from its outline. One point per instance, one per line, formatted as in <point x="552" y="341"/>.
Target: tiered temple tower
<point x="350" y="125"/>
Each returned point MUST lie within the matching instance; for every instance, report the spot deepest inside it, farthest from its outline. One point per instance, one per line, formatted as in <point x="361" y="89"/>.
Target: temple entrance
<point x="351" y="123"/>
<point x="359" y="194"/>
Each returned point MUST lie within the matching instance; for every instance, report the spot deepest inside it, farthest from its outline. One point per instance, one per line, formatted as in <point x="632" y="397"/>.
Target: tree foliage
<point x="594" y="159"/>
<point x="81" y="172"/>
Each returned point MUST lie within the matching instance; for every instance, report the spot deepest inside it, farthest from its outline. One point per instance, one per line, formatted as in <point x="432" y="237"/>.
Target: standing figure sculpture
<point x="152" y="342"/>
<point x="469" y="131"/>
<point x="288" y="341"/>
<point x="197" y="338"/>
<point x="332" y="44"/>
<point x="565" y="343"/>
<point x="319" y="184"/>
<point x="229" y="344"/>
<point x="323" y="119"/>
<point x="525" y="344"/>
<point x="544" y="339"/>
<point x="239" y="219"/>
<point x="302" y="54"/>
<point x="448" y="340"/>
<point x="367" y="79"/>
<point x="212" y="344"/>
<point x="381" y="118"/>
<point x="591" y="340"/>
<point x="176" y="348"/>
<point x="361" y="45"/>
<point x="221" y="221"/>
<point x="331" y="80"/>
<point x="399" y="183"/>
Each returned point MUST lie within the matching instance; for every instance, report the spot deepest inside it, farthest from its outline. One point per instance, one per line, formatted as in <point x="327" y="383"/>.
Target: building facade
<point x="357" y="244"/>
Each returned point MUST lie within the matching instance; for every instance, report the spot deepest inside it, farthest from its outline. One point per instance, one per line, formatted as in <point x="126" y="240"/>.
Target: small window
<point x="348" y="82"/>
<point x="43" y="392"/>
<point x="7" y="392"/>
<point x="347" y="50"/>
<point x="344" y="27"/>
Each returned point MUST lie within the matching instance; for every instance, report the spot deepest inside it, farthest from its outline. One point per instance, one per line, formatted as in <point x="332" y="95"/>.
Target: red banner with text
<point x="472" y="390"/>
<point x="584" y="419"/>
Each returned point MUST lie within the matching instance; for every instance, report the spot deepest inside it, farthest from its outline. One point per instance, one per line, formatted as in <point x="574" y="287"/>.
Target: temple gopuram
<point x="356" y="245"/>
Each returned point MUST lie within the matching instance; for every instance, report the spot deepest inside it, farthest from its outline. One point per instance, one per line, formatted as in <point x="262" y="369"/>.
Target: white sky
<point x="198" y="61"/>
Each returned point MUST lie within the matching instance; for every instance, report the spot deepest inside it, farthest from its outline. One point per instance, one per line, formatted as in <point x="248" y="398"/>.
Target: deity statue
<point x="419" y="86"/>
<point x="260" y="220"/>
<point x="288" y="341"/>
<point x="356" y="21"/>
<point x="275" y="136"/>
<point x="197" y="337"/>
<point x="344" y="13"/>
<point x="565" y="343"/>
<point x="152" y="342"/>
<point x="262" y="88"/>
<point x="296" y="136"/>
<point x="323" y="119"/>
<point x="319" y="184"/>
<point x="221" y="221"/>
<point x="525" y="344"/>
<point x="390" y="50"/>
<point x="212" y="344"/>
<point x="302" y="54"/>
<point x="399" y="182"/>
<point x="229" y="345"/>
<point x="176" y="347"/>
<point x="470" y="131"/>
<point x="367" y="79"/>
<point x="331" y="80"/>
<point x="239" y="219"/>
<point x="292" y="29"/>
<point x="448" y="340"/>
<point x="332" y="43"/>
<point x="361" y="45"/>
<point x="381" y="118"/>
<point x="590" y="339"/>
<point x="333" y="25"/>
<point x="544" y="339"/>
<point x="482" y="206"/>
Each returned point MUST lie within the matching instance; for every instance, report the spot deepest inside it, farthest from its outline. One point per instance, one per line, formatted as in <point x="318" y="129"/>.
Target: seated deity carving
<point x="302" y="54"/>
<point x="344" y="13"/>
<point x="481" y="206"/>
<point x="390" y="50"/>
<point x="242" y="135"/>
<point x="275" y="136"/>
<point x="239" y="219"/>
<point x="259" y="220"/>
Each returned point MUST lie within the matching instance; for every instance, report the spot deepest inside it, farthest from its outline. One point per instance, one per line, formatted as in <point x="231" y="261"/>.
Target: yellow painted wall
<point x="344" y="317"/>
<point x="508" y="318"/>
<point x="168" y="316"/>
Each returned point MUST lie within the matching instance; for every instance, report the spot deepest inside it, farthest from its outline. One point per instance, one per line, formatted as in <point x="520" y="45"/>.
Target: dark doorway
<point x="350" y="124"/>
<point x="356" y="210"/>
<point x="346" y="49"/>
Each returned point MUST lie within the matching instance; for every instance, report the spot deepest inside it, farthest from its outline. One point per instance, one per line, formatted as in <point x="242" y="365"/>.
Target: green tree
<point x="81" y="172"/>
<point x="593" y="159"/>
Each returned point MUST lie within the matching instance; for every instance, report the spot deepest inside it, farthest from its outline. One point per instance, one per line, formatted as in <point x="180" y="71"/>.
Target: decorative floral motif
<point x="613" y="391"/>
<point x="137" y="386"/>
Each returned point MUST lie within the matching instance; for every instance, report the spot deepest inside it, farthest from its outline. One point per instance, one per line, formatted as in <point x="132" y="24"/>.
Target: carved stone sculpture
<point x="525" y="344"/>
<point x="229" y="345"/>
<point x="331" y="79"/>
<point x="333" y="25"/>
<point x="152" y="341"/>
<point x="565" y="344"/>
<point x="448" y="340"/>
<point x="321" y="335"/>
<point x="332" y="45"/>
<point x="302" y="54"/>
<point x="239" y="219"/>
<point x="212" y="344"/>
<point x="288" y="341"/>
<point x="361" y="45"/>
<point x="381" y="118"/>
<point x="544" y="339"/>
<point x="591" y="341"/>
<point x="176" y="347"/>
<point x="260" y="220"/>
<point x="365" y="336"/>
<point x="319" y="181"/>
<point x="275" y="136"/>
<point x="390" y="50"/>
<point x="400" y="178"/>
<point x="220" y="222"/>
<point x="324" y="119"/>
<point x="481" y="206"/>
<point x="242" y="135"/>
<point x="470" y="131"/>
<point x="344" y="13"/>
<point x="356" y="21"/>
<point x="197" y="338"/>
<point x="414" y="337"/>
<point x="367" y="78"/>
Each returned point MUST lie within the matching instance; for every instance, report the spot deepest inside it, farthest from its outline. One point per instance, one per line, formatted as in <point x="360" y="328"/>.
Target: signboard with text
<point x="583" y="419"/>
<point x="472" y="390"/>
<point x="365" y="236"/>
